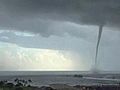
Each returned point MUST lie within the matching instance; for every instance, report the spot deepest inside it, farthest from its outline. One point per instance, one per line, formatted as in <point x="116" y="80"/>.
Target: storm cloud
<point x="19" y="14"/>
<point x="63" y="20"/>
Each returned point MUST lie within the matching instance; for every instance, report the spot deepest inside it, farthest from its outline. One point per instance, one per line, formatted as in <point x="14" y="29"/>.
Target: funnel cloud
<point x="98" y="42"/>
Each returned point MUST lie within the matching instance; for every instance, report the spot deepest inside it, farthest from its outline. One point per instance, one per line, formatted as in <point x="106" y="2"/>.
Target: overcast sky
<point x="59" y="34"/>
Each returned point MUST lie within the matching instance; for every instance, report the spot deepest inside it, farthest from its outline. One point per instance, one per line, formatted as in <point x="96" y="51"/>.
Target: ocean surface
<point x="47" y="78"/>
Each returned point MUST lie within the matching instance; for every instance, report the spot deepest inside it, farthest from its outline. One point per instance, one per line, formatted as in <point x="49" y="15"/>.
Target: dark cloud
<point x="36" y="41"/>
<point x="47" y="17"/>
<point x="37" y="15"/>
<point x="27" y="14"/>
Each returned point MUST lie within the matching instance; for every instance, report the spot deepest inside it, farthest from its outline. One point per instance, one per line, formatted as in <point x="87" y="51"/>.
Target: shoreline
<point x="62" y="87"/>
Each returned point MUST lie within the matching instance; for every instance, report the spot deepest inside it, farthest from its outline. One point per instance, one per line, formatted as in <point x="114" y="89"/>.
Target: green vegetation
<point x="18" y="85"/>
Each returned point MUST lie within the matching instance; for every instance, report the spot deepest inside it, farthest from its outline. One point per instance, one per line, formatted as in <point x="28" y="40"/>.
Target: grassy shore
<point x="66" y="87"/>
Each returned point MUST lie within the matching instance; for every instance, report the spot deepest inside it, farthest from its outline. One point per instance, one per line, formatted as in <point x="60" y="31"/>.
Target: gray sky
<point x="58" y="34"/>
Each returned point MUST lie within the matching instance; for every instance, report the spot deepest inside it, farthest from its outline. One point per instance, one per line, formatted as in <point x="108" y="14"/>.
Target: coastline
<point x="63" y="87"/>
